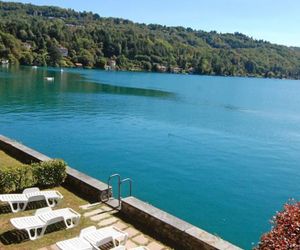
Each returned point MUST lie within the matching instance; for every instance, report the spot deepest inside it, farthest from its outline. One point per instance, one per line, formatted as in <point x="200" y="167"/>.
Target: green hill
<point x="45" y="35"/>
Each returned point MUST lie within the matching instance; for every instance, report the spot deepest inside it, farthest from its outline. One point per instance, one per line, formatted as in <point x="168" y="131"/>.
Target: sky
<point x="276" y="21"/>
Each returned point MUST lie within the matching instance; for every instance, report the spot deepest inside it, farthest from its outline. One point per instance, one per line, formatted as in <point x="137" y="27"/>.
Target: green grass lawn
<point x="13" y="239"/>
<point x="54" y="234"/>
<point x="6" y="160"/>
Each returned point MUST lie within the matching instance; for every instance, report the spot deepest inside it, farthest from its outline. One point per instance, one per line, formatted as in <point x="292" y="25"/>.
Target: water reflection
<point x="30" y="82"/>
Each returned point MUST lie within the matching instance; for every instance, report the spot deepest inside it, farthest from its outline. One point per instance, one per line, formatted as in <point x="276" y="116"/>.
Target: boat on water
<point x="34" y="67"/>
<point x="49" y="78"/>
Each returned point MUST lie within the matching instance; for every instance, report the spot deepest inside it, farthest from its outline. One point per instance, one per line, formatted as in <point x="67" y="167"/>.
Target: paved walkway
<point x="104" y="216"/>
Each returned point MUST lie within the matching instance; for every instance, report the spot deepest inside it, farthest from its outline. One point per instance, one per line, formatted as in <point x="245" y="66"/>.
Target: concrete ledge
<point x="86" y="186"/>
<point x="80" y="183"/>
<point x="20" y="152"/>
<point x="179" y="233"/>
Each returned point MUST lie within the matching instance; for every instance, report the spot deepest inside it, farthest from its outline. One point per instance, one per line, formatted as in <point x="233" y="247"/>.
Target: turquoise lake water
<point x="219" y="152"/>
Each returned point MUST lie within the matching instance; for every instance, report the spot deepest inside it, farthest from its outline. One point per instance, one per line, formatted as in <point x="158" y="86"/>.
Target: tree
<point x="250" y="66"/>
<point x="26" y="58"/>
<point x="204" y="66"/>
<point x="101" y="62"/>
<point x="285" y="233"/>
<point x="86" y="58"/>
<point x="90" y="38"/>
<point x="54" y="55"/>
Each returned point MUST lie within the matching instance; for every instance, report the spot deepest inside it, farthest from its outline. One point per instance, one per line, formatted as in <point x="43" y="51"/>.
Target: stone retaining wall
<point x="178" y="233"/>
<point x="175" y="231"/>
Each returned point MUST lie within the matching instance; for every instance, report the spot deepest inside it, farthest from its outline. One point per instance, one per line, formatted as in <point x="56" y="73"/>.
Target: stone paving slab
<point x="93" y="212"/>
<point x="99" y="217"/>
<point x="129" y="244"/>
<point x="54" y="247"/>
<point x="132" y="232"/>
<point x="155" y="246"/>
<point x="141" y="240"/>
<point x="121" y="225"/>
<point x="107" y="208"/>
<point x="90" y="206"/>
<point x="107" y="222"/>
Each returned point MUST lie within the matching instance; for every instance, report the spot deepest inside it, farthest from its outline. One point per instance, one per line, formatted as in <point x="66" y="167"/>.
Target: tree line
<point x="36" y="35"/>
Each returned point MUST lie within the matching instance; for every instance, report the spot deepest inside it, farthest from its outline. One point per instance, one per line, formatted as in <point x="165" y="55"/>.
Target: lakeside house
<point x="191" y="70"/>
<point x="27" y="45"/>
<point x="78" y="65"/>
<point x="161" y="68"/>
<point x="63" y="51"/>
<point x="111" y="65"/>
<point x="175" y="70"/>
<point x="70" y="25"/>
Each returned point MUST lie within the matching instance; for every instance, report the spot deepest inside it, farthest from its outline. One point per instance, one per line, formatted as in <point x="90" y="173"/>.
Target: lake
<point x="219" y="152"/>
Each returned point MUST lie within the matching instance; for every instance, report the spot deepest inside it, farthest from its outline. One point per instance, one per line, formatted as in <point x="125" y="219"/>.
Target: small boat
<point x="49" y="78"/>
<point x="34" y="67"/>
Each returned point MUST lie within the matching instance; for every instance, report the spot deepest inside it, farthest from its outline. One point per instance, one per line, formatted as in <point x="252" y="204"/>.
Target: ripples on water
<point x="222" y="153"/>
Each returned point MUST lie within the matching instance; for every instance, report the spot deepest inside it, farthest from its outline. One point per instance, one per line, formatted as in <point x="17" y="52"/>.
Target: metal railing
<point x="130" y="184"/>
<point x="120" y="182"/>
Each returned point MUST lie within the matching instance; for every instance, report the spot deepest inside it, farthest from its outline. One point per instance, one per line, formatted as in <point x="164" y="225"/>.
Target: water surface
<point x="221" y="153"/>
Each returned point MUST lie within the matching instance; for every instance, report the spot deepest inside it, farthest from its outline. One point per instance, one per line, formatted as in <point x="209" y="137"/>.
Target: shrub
<point x="45" y="174"/>
<point x="16" y="178"/>
<point x="49" y="173"/>
<point x="285" y="233"/>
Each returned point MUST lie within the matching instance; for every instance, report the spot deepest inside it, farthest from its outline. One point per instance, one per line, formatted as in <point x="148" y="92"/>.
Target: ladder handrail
<point x="119" y="185"/>
<point x="120" y="182"/>
<point x="130" y="184"/>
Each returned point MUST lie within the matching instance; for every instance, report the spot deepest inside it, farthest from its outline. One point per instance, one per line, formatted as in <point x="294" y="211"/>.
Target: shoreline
<point x="155" y="72"/>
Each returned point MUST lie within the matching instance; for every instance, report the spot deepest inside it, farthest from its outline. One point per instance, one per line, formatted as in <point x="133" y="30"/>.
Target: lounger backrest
<point x="87" y="230"/>
<point x="43" y="210"/>
<point x="30" y="190"/>
<point x="51" y="217"/>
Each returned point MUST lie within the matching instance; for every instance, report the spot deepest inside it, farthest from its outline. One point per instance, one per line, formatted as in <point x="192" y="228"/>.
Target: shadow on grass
<point x="19" y="236"/>
<point x="5" y="208"/>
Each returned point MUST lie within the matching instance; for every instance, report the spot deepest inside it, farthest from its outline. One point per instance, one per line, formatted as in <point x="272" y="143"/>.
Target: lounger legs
<point x="36" y="233"/>
<point x="122" y="242"/>
<point x="52" y="202"/>
<point x="71" y="222"/>
<point x="17" y="206"/>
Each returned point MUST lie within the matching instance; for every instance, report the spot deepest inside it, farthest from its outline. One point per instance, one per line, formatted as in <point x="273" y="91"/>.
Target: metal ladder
<point x="120" y="182"/>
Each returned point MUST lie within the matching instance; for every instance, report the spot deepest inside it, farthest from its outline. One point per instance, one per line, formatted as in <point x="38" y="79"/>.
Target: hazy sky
<point x="272" y="20"/>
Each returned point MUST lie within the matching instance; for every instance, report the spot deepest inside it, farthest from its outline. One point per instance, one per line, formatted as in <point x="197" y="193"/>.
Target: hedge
<point x="45" y="174"/>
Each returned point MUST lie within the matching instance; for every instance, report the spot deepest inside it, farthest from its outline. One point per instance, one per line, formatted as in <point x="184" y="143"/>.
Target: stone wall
<point x="20" y="152"/>
<point x="176" y="232"/>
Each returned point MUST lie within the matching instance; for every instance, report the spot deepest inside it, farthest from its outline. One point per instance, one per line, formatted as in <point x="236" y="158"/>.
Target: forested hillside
<point x="34" y="35"/>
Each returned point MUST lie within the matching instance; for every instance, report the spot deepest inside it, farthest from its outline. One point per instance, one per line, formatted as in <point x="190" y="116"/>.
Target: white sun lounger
<point x="93" y="235"/>
<point x="135" y="248"/>
<point x="77" y="243"/>
<point x="36" y="225"/>
<point x="92" y="238"/>
<point x="18" y="202"/>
